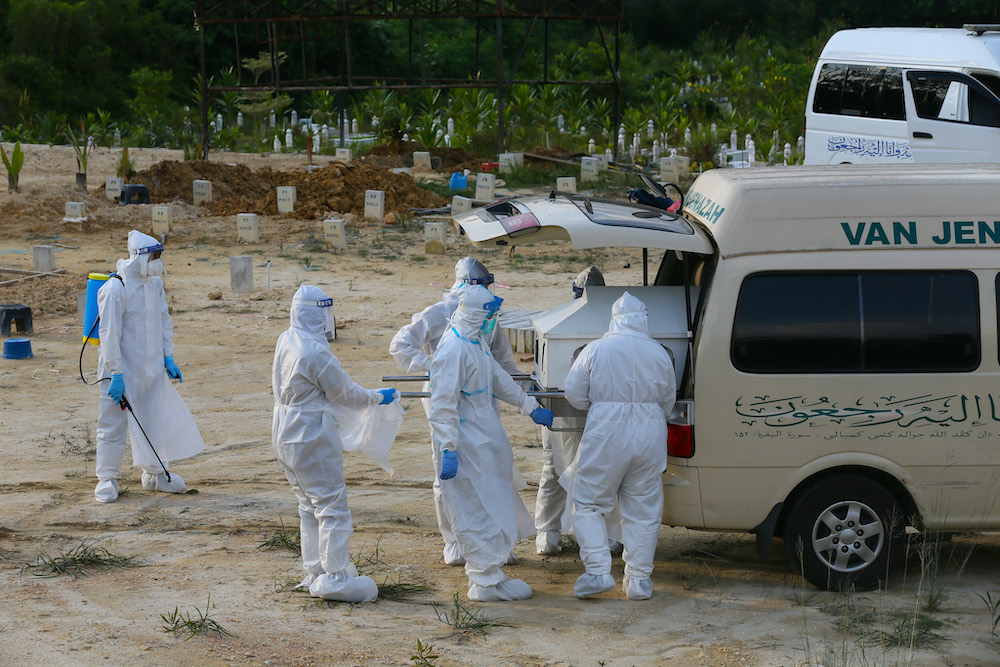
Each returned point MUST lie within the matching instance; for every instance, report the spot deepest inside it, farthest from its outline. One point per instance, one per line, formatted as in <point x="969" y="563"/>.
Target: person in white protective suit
<point x="413" y="346"/>
<point x="625" y="380"/>
<point x="477" y="480"/>
<point x="137" y="346"/>
<point x="558" y="450"/>
<point x="310" y="386"/>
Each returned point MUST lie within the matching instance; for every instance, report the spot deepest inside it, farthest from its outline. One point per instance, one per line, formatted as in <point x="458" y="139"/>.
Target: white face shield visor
<point x="331" y="323"/>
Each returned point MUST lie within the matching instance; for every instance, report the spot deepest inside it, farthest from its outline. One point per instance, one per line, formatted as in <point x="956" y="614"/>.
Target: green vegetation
<point x="79" y="561"/>
<point x="177" y="621"/>
<point x="467" y="617"/>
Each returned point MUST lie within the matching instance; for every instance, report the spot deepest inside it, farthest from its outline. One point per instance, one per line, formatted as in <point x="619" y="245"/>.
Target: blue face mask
<point x="489" y="325"/>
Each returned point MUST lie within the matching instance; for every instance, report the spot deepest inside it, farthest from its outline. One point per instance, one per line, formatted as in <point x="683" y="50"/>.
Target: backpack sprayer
<point x="91" y="319"/>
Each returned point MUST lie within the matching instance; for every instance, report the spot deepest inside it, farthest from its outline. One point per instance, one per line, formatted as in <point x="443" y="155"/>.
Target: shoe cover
<point x="345" y="588"/>
<point x="548" y="542"/>
<point x="158" y="482"/>
<point x="107" y="491"/>
<point x="616" y="547"/>
<point x="593" y="584"/>
<point x="453" y="554"/>
<point x="638" y="589"/>
<point x="511" y="559"/>
<point x="508" y="589"/>
<point x="306" y="583"/>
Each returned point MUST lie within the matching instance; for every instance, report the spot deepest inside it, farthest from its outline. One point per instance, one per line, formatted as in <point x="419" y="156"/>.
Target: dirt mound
<point x="336" y="188"/>
<point x="50" y="295"/>
<point x="400" y="154"/>
<point x="552" y="151"/>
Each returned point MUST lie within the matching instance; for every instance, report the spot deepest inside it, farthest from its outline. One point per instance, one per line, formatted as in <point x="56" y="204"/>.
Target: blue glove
<point x="388" y="396"/>
<point x="542" y="416"/>
<point x="449" y="463"/>
<point x="172" y="370"/>
<point x="117" y="388"/>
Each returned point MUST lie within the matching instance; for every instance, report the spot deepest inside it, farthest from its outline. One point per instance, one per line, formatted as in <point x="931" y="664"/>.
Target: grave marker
<point x="460" y="204"/>
<point x="202" y="191"/>
<point x="375" y="205"/>
<point x="422" y="160"/>
<point x="566" y="184"/>
<point x="486" y="186"/>
<point x="113" y="187"/>
<point x="241" y="273"/>
<point x="343" y="155"/>
<point x="43" y="258"/>
<point x="163" y="217"/>
<point x="247" y="228"/>
<point x="435" y="237"/>
<point x="334" y="233"/>
<point x="589" y="168"/>
<point x="286" y="198"/>
<point x="75" y="211"/>
<point x="509" y="161"/>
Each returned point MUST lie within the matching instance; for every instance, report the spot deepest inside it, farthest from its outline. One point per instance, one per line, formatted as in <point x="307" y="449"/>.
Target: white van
<point x="891" y="95"/>
<point x="841" y="377"/>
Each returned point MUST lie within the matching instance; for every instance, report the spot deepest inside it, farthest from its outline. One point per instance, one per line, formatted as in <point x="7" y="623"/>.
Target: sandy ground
<point x="715" y="603"/>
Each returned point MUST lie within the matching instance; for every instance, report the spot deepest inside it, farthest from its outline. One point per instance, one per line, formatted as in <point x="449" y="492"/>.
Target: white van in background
<point x="891" y="95"/>
<point x="834" y="332"/>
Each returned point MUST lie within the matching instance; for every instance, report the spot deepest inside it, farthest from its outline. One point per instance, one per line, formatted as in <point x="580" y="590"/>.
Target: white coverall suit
<point x="136" y="335"/>
<point x="309" y="385"/>
<point x="484" y="510"/>
<point x="625" y="380"/>
<point x="412" y="347"/>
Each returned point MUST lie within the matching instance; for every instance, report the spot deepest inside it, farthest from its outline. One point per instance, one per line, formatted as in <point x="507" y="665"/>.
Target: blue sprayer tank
<point x="94" y="282"/>
<point x="457" y="181"/>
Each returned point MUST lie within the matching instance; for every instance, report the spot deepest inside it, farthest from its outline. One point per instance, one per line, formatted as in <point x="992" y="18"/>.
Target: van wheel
<point x="845" y="532"/>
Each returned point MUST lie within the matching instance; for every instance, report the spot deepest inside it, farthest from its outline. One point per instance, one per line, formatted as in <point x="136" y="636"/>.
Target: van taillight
<point x="680" y="430"/>
<point x="680" y="440"/>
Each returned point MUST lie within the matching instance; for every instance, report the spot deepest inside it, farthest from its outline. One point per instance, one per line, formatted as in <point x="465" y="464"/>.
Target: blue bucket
<point x="17" y="348"/>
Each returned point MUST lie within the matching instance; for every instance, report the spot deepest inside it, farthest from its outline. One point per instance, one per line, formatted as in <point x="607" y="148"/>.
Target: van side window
<point x="860" y="90"/>
<point x="953" y="97"/>
<point x="857" y="322"/>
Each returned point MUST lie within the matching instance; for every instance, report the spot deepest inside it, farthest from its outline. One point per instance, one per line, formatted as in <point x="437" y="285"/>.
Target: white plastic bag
<point x="371" y="430"/>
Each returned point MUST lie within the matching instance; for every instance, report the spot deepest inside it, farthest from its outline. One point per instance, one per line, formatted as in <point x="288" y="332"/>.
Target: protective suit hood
<point x="140" y="247"/>
<point x="471" y="270"/>
<point x="474" y="303"/>
<point x="307" y="316"/>
<point x="629" y="314"/>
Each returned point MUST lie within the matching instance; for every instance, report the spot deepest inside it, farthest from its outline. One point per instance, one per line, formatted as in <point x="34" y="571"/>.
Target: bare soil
<point x="206" y="552"/>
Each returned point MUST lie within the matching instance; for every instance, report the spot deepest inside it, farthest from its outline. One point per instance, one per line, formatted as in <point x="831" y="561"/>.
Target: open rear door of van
<point x="583" y="221"/>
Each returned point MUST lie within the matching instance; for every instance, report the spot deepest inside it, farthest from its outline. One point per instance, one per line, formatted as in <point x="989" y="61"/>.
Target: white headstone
<point x="276" y="146"/>
<point x="75" y="211"/>
<point x="422" y="160"/>
<point x="288" y="138"/>
<point x="509" y="161"/>
<point x="669" y="169"/>
<point x="603" y="161"/>
<point x="566" y="184"/>
<point x="118" y="137"/>
<point x="163" y="217"/>
<point x="451" y="126"/>
<point x="202" y="191"/>
<point x="113" y="187"/>
<point x="239" y="119"/>
<point x="486" y="186"/>
<point x="460" y="204"/>
<point x="435" y="237"/>
<point x="354" y="126"/>
<point x="334" y="233"/>
<point x="375" y="205"/>
<point x="273" y="119"/>
<point x="589" y="168"/>
<point x="218" y="123"/>
<point x="247" y="228"/>
<point x="591" y="147"/>
<point x="241" y="273"/>
<point x="295" y="117"/>
<point x="286" y="198"/>
<point x="343" y="155"/>
<point x="43" y="258"/>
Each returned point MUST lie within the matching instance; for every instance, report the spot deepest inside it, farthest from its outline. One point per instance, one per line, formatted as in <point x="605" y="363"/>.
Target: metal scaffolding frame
<point x="277" y="22"/>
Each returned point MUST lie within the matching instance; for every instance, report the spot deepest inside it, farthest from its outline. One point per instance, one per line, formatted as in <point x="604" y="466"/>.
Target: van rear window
<point x="857" y="322"/>
<point x="860" y="90"/>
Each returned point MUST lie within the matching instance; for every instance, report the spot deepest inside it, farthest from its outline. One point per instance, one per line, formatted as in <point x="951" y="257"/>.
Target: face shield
<point x="492" y="315"/>
<point x="327" y="309"/>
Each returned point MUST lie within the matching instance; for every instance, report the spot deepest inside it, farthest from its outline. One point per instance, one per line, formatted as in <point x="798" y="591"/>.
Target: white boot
<point x="345" y="588"/>
<point x="508" y="589"/>
<point x="548" y="542"/>
<point x="593" y="584"/>
<point x="158" y="482"/>
<point x="106" y="491"/>
<point x="453" y="554"/>
<point x="638" y="589"/>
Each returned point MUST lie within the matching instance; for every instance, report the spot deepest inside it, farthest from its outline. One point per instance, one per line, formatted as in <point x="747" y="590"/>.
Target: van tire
<point x="822" y="533"/>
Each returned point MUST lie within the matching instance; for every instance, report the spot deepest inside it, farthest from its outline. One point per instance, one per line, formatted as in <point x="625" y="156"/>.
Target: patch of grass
<point x="313" y="243"/>
<point x="176" y="621"/>
<point x="894" y="629"/>
<point x="425" y="655"/>
<point x="418" y="258"/>
<point x="993" y="606"/>
<point x="397" y="589"/>
<point x="78" y="561"/>
<point x="285" y="539"/>
<point x="367" y="559"/>
<point x="535" y="177"/>
<point x="441" y="188"/>
<point x="467" y="618"/>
